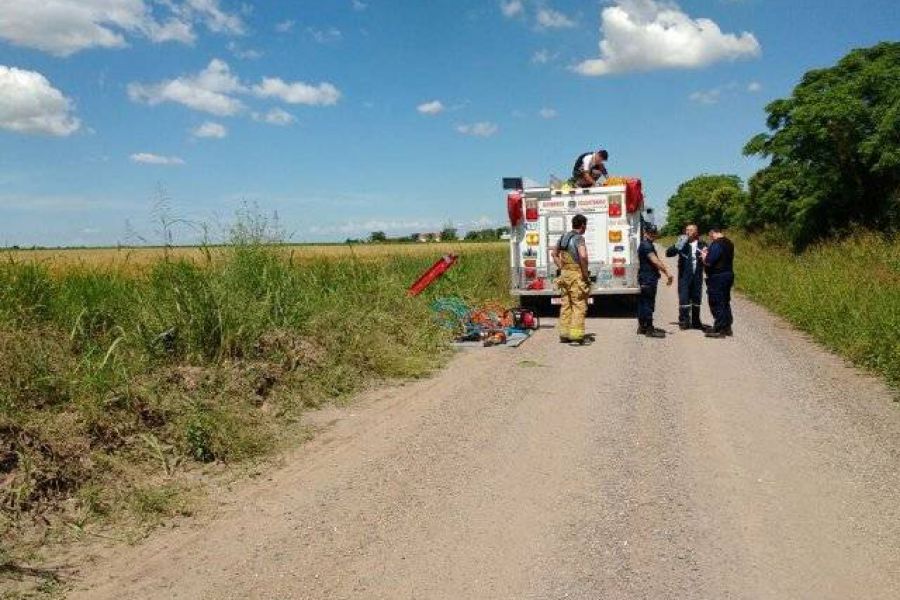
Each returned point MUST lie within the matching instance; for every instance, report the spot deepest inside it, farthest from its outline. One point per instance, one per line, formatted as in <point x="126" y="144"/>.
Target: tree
<point x="706" y="200"/>
<point x="377" y="237"/>
<point x="449" y="234"/>
<point x="834" y="150"/>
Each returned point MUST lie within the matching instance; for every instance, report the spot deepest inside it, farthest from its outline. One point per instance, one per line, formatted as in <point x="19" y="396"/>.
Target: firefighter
<point x="589" y="168"/>
<point x="649" y="271"/>
<point x="688" y="249"/>
<point x="574" y="281"/>
<point x="719" y="261"/>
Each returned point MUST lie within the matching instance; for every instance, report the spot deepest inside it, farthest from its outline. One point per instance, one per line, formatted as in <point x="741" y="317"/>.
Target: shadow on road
<point x="604" y="307"/>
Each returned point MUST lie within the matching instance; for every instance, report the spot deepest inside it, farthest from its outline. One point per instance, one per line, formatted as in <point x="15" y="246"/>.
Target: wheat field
<point x="139" y="259"/>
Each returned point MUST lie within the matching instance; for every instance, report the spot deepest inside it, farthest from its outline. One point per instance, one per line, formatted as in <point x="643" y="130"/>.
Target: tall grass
<point x="112" y="379"/>
<point x="845" y="294"/>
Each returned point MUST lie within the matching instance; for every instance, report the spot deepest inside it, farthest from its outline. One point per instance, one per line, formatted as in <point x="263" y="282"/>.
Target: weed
<point x="845" y="294"/>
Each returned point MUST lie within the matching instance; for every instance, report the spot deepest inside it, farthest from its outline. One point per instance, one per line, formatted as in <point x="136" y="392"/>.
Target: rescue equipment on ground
<point x="522" y="318"/>
<point x="491" y="323"/>
<point x="434" y="272"/>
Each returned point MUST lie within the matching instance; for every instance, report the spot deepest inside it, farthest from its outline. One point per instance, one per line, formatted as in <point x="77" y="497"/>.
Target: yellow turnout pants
<point x="575" y="293"/>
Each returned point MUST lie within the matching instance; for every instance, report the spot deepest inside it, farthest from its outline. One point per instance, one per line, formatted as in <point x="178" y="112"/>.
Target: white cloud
<point x="30" y="104"/>
<point x="547" y="18"/>
<point x="64" y="27"/>
<point x="172" y="30"/>
<point x="276" y="116"/>
<point x="285" y="26"/>
<point x="481" y="129"/>
<point x="216" y="90"/>
<point x="642" y="35"/>
<point x="754" y="87"/>
<point x="210" y="91"/>
<point x="210" y="130"/>
<point x="512" y="8"/>
<point x="706" y="96"/>
<point x="215" y="19"/>
<point x="331" y="35"/>
<point x="431" y="108"/>
<point x="359" y="5"/>
<point x="541" y="57"/>
<point x="146" y="158"/>
<point x="244" y="54"/>
<point x="548" y="113"/>
<point x="324" y="94"/>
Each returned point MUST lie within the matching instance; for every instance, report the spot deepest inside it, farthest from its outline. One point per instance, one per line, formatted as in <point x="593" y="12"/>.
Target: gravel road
<point x="755" y="467"/>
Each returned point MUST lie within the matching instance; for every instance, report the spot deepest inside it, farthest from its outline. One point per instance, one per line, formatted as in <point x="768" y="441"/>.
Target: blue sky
<point x="351" y="116"/>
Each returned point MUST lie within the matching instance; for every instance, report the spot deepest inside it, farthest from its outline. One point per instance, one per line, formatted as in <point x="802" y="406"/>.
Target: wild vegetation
<point x="115" y="382"/>
<point x="834" y="159"/>
<point x="816" y="231"/>
<point x="846" y="293"/>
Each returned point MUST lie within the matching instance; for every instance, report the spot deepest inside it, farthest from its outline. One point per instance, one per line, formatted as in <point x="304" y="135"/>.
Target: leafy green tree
<point x="705" y="200"/>
<point x="377" y="237"/>
<point x="834" y="151"/>
<point x="449" y="234"/>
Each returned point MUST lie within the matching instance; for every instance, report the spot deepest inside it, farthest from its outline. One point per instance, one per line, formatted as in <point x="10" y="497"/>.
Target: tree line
<point x="833" y="149"/>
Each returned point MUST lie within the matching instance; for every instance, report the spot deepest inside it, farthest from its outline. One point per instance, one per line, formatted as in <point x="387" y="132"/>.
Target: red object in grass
<point x="634" y="195"/>
<point x="432" y="274"/>
<point x="514" y="208"/>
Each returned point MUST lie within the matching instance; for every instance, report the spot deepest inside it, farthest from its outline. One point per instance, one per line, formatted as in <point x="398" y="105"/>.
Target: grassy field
<point x="136" y="260"/>
<point x="123" y="372"/>
<point x="845" y="294"/>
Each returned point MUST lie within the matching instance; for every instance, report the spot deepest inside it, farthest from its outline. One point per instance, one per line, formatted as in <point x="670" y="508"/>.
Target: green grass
<point x="846" y="294"/>
<point x="113" y="384"/>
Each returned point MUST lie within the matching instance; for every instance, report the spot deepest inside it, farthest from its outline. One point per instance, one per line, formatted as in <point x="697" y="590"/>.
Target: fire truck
<point x="539" y="216"/>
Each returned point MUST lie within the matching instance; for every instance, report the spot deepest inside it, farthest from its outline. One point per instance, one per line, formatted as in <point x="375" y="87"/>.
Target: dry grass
<point x="137" y="260"/>
<point x="123" y="373"/>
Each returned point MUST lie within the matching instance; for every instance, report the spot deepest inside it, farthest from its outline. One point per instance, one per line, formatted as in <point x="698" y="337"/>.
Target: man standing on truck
<point x="690" y="276"/>
<point x="719" y="261"/>
<point x="574" y="281"/>
<point x="648" y="277"/>
<point x="589" y="168"/>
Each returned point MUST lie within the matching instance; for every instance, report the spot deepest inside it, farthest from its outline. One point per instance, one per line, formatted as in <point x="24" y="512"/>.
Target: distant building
<point x="425" y="238"/>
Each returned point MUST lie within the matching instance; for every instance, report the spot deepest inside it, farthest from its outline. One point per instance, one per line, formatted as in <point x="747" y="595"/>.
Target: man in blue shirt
<point x="690" y="276"/>
<point x="648" y="277"/>
<point x="719" y="261"/>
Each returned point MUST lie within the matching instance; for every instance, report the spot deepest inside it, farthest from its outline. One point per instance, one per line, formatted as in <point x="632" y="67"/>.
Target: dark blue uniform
<point x="690" y="282"/>
<point x="648" y="278"/>
<point x="719" y="280"/>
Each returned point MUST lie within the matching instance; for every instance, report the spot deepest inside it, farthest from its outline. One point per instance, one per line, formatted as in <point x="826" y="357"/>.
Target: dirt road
<point x="754" y="467"/>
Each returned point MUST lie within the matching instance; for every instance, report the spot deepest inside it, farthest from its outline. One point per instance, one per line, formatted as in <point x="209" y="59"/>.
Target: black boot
<point x="642" y="329"/>
<point x="712" y="333"/>
<point x="696" y="323"/>
<point x="653" y="332"/>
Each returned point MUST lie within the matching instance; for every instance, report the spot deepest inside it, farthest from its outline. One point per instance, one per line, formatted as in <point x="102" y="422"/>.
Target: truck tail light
<point x="615" y="208"/>
<point x="514" y="208"/>
<point x="615" y="237"/>
<point x="530" y="273"/>
<point x="618" y="271"/>
<point x="531" y="210"/>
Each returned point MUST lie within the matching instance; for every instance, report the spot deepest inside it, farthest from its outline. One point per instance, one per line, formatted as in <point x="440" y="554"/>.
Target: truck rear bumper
<point x="598" y="292"/>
